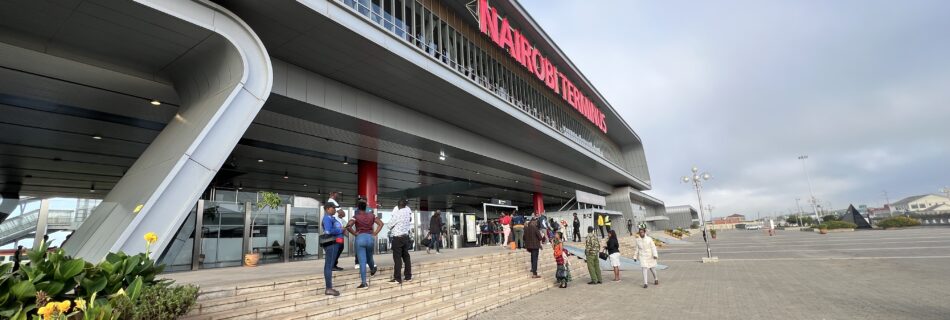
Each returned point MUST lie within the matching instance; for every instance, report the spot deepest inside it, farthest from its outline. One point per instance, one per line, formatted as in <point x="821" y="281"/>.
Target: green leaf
<point x="131" y="263"/>
<point x="52" y="288"/>
<point x="23" y="290"/>
<point x="134" y="288"/>
<point x="93" y="285"/>
<point x="70" y="269"/>
<point x="107" y="266"/>
<point x="4" y="297"/>
<point x="115" y="257"/>
<point x="19" y="315"/>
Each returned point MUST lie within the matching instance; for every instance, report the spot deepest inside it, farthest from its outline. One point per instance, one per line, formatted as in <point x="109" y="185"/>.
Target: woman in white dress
<point x="645" y="253"/>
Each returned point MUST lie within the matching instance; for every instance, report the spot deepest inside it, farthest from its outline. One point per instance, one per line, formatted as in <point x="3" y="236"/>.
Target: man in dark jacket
<point x="435" y="231"/>
<point x="532" y="242"/>
<point x="577" y="229"/>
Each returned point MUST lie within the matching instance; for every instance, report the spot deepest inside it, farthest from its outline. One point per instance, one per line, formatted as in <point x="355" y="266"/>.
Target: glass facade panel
<point x="305" y="225"/>
<point x="267" y="233"/>
<point x="222" y="242"/>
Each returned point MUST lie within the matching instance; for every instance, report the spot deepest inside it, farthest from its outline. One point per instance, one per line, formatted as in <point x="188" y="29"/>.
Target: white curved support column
<point x="223" y="83"/>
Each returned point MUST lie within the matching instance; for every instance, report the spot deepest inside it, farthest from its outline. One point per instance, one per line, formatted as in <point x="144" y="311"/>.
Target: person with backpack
<point x="518" y="226"/>
<point x="543" y="226"/>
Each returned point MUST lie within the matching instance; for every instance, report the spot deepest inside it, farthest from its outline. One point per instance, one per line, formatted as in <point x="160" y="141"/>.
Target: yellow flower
<point x="151" y="237"/>
<point x="44" y="312"/>
<point x="80" y="304"/>
<point x="63" y="307"/>
<point x="121" y="292"/>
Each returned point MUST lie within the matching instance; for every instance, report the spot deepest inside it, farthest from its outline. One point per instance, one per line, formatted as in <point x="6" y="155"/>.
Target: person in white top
<point x="400" y="224"/>
<point x="644" y="251"/>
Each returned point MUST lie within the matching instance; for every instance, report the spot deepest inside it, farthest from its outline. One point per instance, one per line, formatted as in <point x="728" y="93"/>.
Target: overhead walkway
<point x="24" y="225"/>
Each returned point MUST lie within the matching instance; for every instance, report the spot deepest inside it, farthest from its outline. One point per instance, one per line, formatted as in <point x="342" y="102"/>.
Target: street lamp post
<point x="799" y="205"/>
<point x="813" y="201"/>
<point x="697" y="179"/>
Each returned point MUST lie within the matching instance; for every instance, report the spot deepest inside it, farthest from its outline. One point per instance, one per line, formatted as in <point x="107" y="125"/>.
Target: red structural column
<point x="538" y="202"/>
<point x="367" y="181"/>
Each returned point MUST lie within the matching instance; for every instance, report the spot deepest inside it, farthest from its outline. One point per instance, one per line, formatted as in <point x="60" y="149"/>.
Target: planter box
<point x="840" y="230"/>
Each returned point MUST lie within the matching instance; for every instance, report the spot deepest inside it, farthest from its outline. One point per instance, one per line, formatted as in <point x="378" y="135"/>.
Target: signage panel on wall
<point x="522" y="50"/>
<point x="590" y="198"/>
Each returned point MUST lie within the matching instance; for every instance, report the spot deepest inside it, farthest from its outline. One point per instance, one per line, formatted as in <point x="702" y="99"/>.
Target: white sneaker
<point x="357" y="267"/>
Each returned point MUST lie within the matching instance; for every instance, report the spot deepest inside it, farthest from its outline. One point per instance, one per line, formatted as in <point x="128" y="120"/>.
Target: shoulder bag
<point x="603" y="255"/>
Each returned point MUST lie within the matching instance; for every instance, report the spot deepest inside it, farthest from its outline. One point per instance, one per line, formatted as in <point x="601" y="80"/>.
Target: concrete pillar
<point x="41" y="223"/>
<point x="367" y="181"/>
<point x="222" y="83"/>
<point x="538" y="202"/>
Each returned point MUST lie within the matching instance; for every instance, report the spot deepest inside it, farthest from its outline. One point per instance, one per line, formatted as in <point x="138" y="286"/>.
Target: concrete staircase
<point x="446" y="289"/>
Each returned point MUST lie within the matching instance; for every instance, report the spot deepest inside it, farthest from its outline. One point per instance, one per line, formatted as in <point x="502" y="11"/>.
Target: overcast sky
<point x="742" y="88"/>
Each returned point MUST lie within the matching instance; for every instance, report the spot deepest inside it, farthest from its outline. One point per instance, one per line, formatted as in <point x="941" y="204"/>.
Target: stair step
<point x="313" y="279"/>
<point x="315" y="287"/>
<point x="359" y="295"/>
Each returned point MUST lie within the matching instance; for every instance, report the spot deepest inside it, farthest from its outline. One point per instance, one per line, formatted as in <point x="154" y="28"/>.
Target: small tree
<point x="830" y="217"/>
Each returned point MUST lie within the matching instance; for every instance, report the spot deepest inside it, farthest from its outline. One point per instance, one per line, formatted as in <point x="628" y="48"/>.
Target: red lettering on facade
<point x="531" y="58"/>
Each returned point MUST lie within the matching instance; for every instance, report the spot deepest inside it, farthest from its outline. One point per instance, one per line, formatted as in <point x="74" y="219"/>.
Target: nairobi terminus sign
<point x="530" y="57"/>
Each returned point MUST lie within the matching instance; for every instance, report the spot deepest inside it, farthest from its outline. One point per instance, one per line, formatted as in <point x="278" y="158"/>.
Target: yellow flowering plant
<point x="150" y="238"/>
<point x="55" y="311"/>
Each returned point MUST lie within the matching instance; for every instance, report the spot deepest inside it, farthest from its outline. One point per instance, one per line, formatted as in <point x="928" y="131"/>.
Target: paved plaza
<point x="879" y="274"/>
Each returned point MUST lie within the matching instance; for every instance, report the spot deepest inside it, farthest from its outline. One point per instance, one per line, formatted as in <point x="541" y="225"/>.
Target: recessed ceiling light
<point x="97" y="137"/>
<point x="285" y="175"/>
<point x="260" y="160"/>
<point x="346" y="160"/>
<point x="155" y="102"/>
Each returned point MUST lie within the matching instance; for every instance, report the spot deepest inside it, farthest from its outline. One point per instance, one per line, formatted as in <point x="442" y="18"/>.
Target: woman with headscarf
<point x="644" y="251"/>
<point x="563" y="274"/>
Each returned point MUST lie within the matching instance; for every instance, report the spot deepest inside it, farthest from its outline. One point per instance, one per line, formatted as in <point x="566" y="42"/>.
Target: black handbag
<point x="327" y="239"/>
<point x="603" y="255"/>
<point x="427" y="241"/>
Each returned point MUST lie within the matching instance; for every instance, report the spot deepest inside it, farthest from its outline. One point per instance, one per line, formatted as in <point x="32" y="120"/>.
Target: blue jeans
<point x="364" y="253"/>
<point x="435" y="242"/>
<point x="332" y="251"/>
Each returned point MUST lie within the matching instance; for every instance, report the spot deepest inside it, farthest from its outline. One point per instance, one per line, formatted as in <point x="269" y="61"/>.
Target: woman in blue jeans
<point x="331" y="226"/>
<point x="362" y="227"/>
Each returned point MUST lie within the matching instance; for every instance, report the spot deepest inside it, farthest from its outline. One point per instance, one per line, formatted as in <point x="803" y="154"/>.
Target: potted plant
<point x="713" y="233"/>
<point x="267" y="200"/>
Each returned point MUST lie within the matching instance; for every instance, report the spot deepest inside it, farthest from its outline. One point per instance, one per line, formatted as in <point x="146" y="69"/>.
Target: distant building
<point x="731" y="219"/>
<point x="926" y="202"/>
<point x="682" y="216"/>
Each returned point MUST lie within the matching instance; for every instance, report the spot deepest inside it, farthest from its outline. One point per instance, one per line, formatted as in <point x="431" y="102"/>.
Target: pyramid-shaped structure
<point x="853" y="216"/>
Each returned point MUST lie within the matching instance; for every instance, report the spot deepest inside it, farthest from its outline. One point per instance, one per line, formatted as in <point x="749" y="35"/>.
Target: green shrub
<point x="161" y="301"/>
<point x="831" y="225"/>
<point x="897" y="222"/>
<point x="54" y="277"/>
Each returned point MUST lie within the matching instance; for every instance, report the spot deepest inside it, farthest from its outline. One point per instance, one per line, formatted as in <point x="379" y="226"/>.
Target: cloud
<point x="742" y="88"/>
